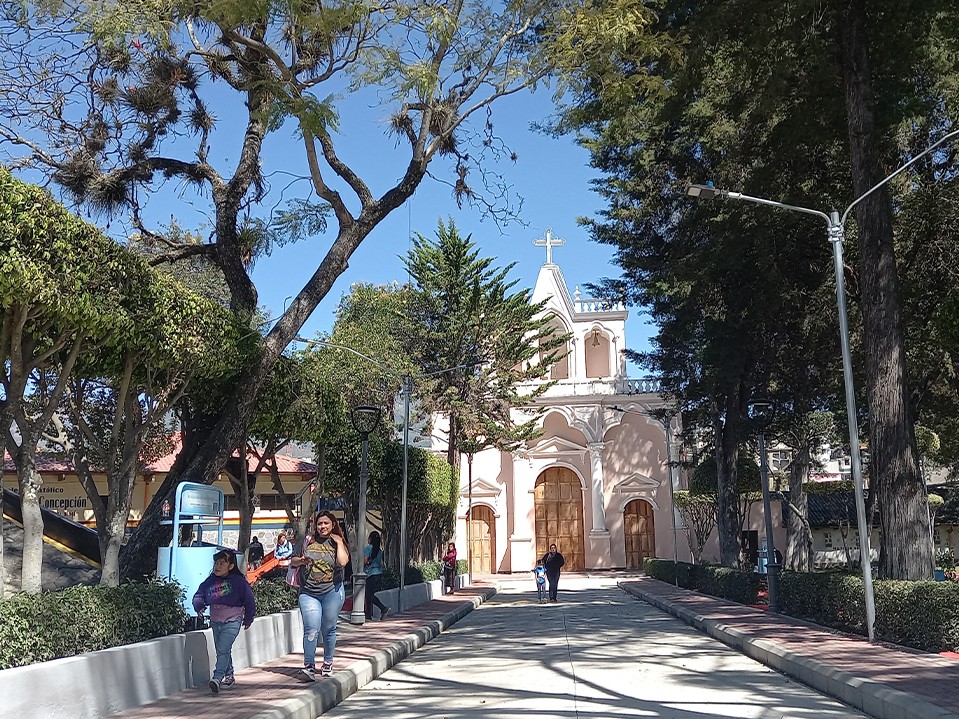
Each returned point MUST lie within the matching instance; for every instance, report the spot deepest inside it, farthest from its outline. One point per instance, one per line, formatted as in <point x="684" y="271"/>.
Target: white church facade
<point x="598" y="480"/>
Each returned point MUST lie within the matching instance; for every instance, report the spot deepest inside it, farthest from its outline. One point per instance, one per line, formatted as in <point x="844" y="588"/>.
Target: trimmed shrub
<point x="833" y="599"/>
<point x="425" y="572"/>
<point x="732" y="584"/>
<point x="923" y="615"/>
<point x="273" y="595"/>
<point x="37" y="628"/>
<point x="666" y="570"/>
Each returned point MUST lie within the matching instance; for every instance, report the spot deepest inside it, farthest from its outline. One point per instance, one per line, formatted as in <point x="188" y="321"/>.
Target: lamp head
<point x="761" y="412"/>
<point x="702" y="192"/>
<point x="365" y="417"/>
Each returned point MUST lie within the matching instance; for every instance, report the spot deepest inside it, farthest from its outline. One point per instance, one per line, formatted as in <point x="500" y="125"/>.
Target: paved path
<point x="884" y="680"/>
<point x="274" y="689"/>
<point x="598" y="653"/>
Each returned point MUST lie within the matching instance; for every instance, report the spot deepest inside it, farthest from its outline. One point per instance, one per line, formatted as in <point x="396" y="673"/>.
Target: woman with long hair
<point x="373" y="566"/>
<point x="321" y="559"/>
<point x="449" y="569"/>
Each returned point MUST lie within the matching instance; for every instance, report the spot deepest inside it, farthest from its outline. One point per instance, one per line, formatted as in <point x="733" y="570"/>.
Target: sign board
<point x="202" y="501"/>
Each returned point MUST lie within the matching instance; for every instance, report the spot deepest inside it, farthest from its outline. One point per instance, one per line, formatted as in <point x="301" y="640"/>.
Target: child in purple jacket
<point x="230" y="599"/>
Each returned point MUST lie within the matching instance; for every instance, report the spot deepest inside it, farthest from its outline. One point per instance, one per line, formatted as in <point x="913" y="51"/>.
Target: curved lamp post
<point x="835" y="225"/>
<point x="761" y="413"/>
<point x="364" y="417"/>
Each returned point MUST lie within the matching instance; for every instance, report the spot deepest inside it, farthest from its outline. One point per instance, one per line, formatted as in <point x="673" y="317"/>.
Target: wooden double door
<point x="640" y="530"/>
<point x="482" y="539"/>
<point x="558" y="504"/>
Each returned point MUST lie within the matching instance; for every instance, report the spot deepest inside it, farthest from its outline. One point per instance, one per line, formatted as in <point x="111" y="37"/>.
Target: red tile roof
<point x="47" y="464"/>
<point x="284" y="463"/>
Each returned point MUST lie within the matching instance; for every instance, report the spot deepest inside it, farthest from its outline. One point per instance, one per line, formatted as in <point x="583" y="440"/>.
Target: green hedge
<point x="37" y="628"/>
<point x="732" y="584"/>
<point x="921" y="615"/>
<point x="833" y="599"/>
<point x="416" y="573"/>
<point x="274" y="595"/>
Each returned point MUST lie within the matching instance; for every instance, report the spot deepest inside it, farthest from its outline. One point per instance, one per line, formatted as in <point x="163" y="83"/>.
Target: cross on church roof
<point x="549" y="242"/>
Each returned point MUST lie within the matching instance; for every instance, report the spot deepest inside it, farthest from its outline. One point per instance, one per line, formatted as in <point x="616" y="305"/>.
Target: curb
<point x="869" y="696"/>
<point x="327" y="693"/>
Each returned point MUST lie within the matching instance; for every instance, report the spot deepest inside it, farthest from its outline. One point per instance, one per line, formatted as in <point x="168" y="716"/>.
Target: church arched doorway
<point x="558" y="502"/>
<point x="482" y="539"/>
<point x="640" y="529"/>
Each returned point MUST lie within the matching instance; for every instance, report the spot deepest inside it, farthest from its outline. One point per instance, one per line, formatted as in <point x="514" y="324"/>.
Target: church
<point x="599" y="479"/>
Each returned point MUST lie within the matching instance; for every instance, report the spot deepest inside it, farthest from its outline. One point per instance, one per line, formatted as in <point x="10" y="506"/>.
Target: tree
<point x="120" y="396"/>
<point x="699" y="515"/>
<point x="144" y="75"/>
<point x="901" y="493"/>
<point x="299" y="403"/>
<point x="748" y="97"/>
<point x="704" y="481"/>
<point x="804" y="435"/>
<point x="64" y="291"/>
<point x="479" y="342"/>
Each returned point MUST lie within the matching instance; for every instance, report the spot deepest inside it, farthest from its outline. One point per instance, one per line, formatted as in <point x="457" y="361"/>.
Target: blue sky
<point x="551" y="175"/>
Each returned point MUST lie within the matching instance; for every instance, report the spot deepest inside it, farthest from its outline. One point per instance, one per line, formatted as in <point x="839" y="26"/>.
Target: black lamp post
<point x="365" y="417"/>
<point x="761" y="413"/>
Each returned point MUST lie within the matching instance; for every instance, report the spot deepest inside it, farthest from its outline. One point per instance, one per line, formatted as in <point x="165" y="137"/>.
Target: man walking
<point x="553" y="561"/>
<point x="254" y="554"/>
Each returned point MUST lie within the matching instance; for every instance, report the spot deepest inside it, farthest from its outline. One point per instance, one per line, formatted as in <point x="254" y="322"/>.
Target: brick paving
<point x="259" y="689"/>
<point x="929" y="677"/>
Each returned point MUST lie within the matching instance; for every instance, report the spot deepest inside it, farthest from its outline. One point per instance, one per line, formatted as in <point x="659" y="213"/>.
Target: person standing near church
<point x="553" y="561"/>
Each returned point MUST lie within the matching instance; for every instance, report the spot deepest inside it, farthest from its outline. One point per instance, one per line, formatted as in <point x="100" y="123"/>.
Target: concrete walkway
<point x="596" y="653"/>
<point x="274" y="691"/>
<point x="884" y="681"/>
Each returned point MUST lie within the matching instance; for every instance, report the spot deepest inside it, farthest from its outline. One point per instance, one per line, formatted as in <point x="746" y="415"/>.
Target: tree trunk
<point x="906" y="550"/>
<point x="29" y="484"/>
<point x="138" y="558"/>
<point x="727" y="504"/>
<point x="111" y="540"/>
<point x="799" y="553"/>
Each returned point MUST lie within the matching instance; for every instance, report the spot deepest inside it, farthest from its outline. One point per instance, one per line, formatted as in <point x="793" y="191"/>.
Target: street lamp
<point x="835" y="225"/>
<point x="761" y="413"/>
<point x="365" y="417"/>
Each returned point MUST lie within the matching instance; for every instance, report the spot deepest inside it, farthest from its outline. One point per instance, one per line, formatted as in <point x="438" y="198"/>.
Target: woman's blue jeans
<point x="224" y="634"/>
<point x="319" y="620"/>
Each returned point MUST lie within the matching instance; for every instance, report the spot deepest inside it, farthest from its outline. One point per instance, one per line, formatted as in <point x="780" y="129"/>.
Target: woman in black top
<point x="553" y="561"/>
<point x="321" y="559"/>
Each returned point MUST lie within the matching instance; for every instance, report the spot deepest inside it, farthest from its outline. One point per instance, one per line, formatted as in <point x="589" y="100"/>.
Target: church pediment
<point x="636" y="484"/>
<point x="483" y="488"/>
<point x="556" y="447"/>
